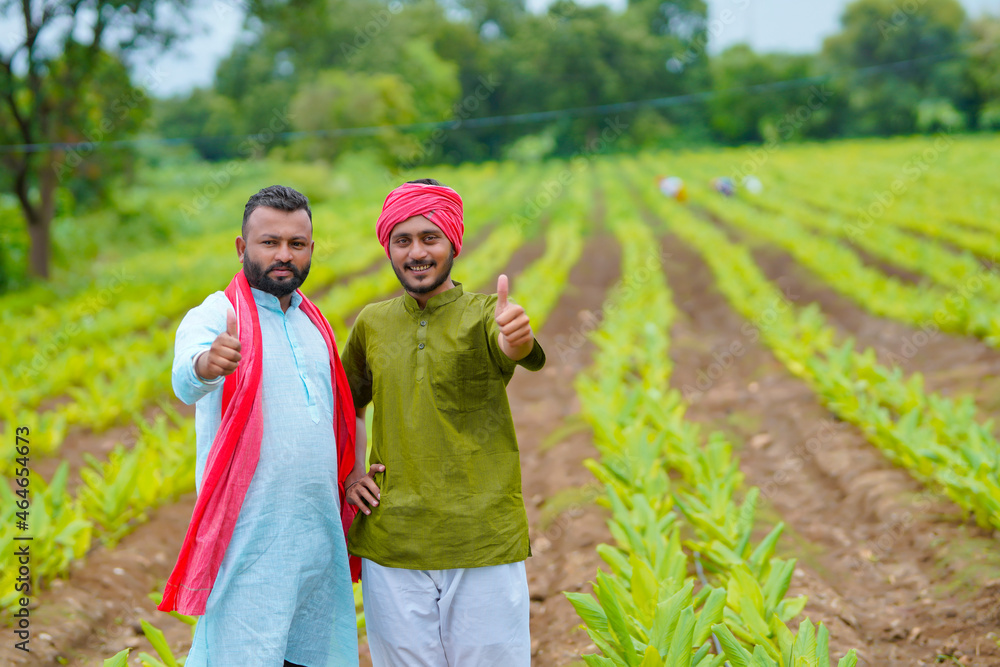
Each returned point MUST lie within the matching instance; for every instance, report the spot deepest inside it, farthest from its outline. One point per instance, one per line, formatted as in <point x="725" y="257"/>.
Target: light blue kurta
<point x="284" y="589"/>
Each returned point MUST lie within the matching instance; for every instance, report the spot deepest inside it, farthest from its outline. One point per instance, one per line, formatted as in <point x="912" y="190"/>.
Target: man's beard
<point x="430" y="287"/>
<point x="259" y="278"/>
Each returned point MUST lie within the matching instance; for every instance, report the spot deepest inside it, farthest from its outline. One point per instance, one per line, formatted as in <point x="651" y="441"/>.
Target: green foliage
<point x="984" y="70"/>
<point x="421" y="91"/>
<point x="740" y="116"/>
<point x="212" y="118"/>
<point x="883" y="32"/>
<point x="425" y="61"/>
<point x="75" y="89"/>
<point x="120" y="659"/>
<point x="659" y="474"/>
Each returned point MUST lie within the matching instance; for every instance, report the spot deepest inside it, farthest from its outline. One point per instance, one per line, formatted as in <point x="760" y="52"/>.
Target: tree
<point x="898" y="38"/>
<point x="589" y="55"/>
<point x="64" y="82"/>
<point x="741" y="116"/>
<point x="984" y="70"/>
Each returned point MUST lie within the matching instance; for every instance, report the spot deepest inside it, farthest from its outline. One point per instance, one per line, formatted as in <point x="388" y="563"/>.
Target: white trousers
<point x="473" y="617"/>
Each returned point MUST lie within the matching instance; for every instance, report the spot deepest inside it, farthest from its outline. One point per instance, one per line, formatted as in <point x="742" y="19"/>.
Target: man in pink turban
<point x="442" y="531"/>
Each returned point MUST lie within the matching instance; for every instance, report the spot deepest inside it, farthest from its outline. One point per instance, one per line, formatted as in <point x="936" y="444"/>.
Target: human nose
<point x="284" y="253"/>
<point x="418" y="250"/>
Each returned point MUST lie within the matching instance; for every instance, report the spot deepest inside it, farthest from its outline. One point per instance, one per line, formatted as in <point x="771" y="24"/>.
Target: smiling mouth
<point x="420" y="269"/>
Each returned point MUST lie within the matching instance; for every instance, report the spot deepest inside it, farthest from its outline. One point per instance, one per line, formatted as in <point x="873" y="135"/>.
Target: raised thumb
<point x="502" y="290"/>
<point x="232" y="326"/>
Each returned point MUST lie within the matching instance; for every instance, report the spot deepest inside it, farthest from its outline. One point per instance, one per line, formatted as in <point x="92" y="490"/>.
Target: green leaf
<point x="709" y="615"/>
<point x="651" y="658"/>
<point x="786" y="640"/>
<point x="765" y="550"/>
<point x="667" y="616"/>
<point x="590" y="611"/>
<point x="159" y="642"/>
<point x="120" y="659"/>
<point x="736" y="654"/>
<point x="761" y="658"/>
<point x="790" y="608"/>
<point x="616" y="559"/>
<point x="701" y="653"/>
<point x="805" y="642"/>
<point x="849" y="660"/>
<point x="645" y="589"/>
<point x="616" y="619"/>
<point x="146" y="660"/>
<point x="600" y="661"/>
<point x="822" y="647"/>
<point x="751" y="593"/>
<point x="778" y="581"/>
<point x="680" y="647"/>
<point x="751" y="616"/>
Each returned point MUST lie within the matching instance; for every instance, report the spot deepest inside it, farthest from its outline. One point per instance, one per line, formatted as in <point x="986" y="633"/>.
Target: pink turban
<point x="437" y="203"/>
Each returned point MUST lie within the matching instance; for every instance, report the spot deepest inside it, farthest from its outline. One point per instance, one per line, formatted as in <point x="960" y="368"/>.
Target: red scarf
<point x="236" y="450"/>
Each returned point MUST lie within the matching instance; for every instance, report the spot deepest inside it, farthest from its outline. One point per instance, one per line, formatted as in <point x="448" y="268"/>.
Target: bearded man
<point x="442" y="533"/>
<point x="264" y="562"/>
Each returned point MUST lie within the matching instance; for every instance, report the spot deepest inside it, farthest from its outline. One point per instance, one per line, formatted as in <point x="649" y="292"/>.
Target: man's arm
<point x="204" y="349"/>
<point x="360" y="487"/>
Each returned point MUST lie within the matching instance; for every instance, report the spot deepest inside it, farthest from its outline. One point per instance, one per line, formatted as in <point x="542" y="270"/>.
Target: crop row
<point x="935" y="438"/>
<point x="646" y="611"/>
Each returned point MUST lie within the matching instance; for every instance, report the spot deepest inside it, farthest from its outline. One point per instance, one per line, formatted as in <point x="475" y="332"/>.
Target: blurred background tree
<point x="64" y="81"/>
<point x="917" y="46"/>
<point x="412" y="82"/>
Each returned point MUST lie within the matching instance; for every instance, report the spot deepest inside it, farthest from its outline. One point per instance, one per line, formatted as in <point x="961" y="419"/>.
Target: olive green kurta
<point x="451" y="490"/>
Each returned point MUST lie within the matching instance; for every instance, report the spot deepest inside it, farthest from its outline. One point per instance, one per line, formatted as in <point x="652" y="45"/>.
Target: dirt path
<point x="887" y="567"/>
<point x="566" y="526"/>
<point x="951" y="364"/>
<point x="96" y="612"/>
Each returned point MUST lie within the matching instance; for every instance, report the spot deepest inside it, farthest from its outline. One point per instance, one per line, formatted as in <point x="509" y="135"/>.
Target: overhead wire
<point x="488" y="121"/>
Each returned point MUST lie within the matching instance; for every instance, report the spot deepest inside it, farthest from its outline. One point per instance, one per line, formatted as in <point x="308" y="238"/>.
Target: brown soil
<point x="889" y="568"/>
<point x="96" y="611"/>
<point x="952" y="365"/>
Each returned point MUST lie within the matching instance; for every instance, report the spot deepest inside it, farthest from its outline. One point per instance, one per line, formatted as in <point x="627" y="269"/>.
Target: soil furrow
<point x="885" y="565"/>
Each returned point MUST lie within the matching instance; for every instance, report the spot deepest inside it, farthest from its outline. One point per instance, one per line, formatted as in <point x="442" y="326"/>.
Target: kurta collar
<point x="270" y="302"/>
<point x="434" y="302"/>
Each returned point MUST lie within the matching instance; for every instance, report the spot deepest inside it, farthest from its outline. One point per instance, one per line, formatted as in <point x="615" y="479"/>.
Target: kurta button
<point x="421" y="346"/>
<point x="423" y="323"/>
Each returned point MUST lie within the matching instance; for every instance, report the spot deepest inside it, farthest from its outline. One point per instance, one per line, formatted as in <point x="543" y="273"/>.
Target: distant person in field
<point x="442" y="533"/>
<point x="264" y="562"/>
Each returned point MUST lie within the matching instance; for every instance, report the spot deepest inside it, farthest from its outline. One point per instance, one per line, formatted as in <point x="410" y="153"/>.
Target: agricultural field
<point x="757" y="409"/>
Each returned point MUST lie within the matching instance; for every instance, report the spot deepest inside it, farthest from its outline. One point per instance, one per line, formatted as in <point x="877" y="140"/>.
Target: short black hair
<point x="280" y="197"/>
<point x="428" y="181"/>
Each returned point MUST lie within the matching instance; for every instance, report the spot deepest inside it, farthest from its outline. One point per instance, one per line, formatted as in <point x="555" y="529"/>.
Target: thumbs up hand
<point x="224" y="355"/>
<point x="516" y="338"/>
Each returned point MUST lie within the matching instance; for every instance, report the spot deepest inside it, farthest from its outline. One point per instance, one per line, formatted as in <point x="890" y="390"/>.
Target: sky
<point x="767" y="25"/>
